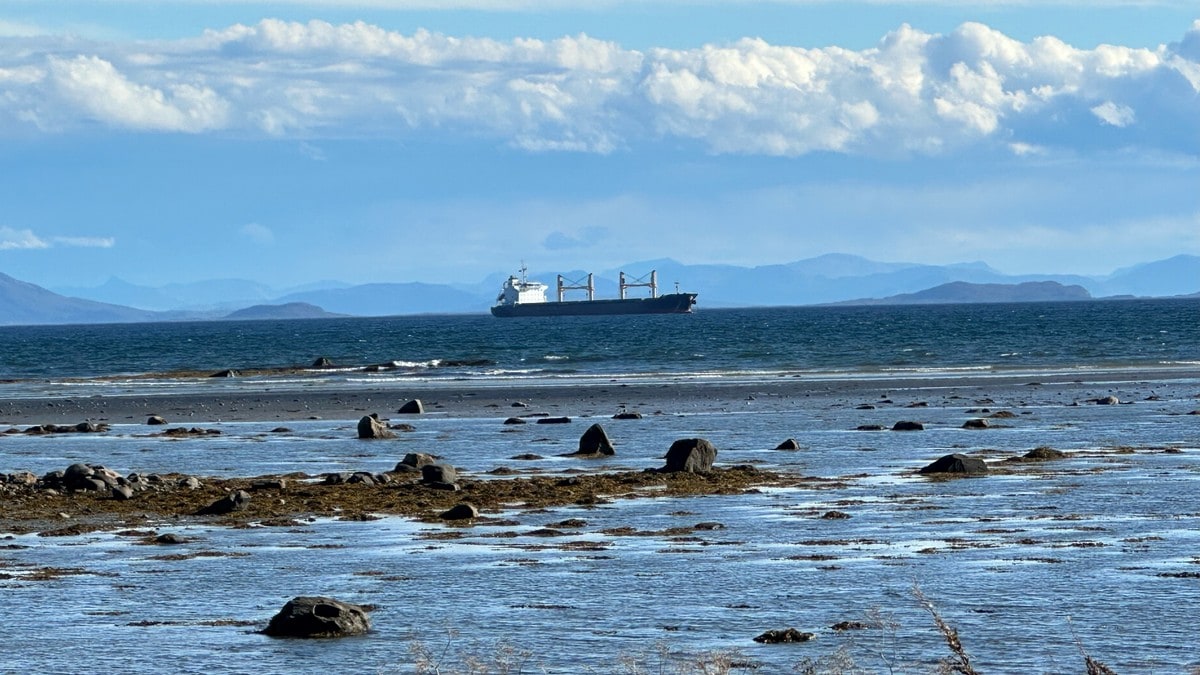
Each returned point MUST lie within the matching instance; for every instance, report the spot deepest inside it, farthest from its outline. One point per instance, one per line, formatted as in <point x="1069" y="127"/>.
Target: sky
<point x="369" y="141"/>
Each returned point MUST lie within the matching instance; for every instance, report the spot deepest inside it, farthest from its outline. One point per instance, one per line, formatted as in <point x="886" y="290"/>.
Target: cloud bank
<point x="913" y="93"/>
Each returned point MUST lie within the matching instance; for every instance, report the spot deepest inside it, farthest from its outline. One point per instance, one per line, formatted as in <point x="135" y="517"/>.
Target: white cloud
<point x="102" y="92"/>
<point x="1115" y="115"/>
<point x="85" y="242"/>
<point x="12" y="239"/>
<point x="260" y="234"/>
<point x="20" y="239"/>
<point x="915" y="92"/>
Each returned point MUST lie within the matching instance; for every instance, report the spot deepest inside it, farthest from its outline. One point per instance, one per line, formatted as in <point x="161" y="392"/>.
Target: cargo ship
<point x="522" y="297"/>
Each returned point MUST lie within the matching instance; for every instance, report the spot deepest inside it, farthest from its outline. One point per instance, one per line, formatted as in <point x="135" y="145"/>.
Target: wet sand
<point x="334" y="402"/>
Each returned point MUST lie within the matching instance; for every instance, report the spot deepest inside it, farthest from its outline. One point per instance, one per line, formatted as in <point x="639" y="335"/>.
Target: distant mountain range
<point x="826" y="279"/>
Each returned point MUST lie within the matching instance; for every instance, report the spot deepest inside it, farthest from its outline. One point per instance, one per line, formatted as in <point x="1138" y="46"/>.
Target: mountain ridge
<point x="822" y="280"/>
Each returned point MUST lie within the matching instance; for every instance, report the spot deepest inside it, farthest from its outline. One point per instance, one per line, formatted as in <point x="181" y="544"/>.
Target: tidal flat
<point x="600" y="564"/>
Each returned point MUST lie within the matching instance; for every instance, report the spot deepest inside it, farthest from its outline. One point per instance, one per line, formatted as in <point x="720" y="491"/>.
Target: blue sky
<point x="389" y="140"/>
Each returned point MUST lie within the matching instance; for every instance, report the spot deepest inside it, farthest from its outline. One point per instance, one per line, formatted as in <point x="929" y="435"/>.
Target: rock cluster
<point x="80" y="477"/>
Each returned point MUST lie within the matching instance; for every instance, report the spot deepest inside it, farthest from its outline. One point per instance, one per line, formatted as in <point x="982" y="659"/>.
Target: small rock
<point x="514" y="420"/>
<point x="627" y="416"/>
<point x="122" y="492"/>
<point x="908" y="426"/>
<point x="438" y="473"/>
<point x="462" y="511"/>
<point x="413" y="461"/>
<point x="789" y="444"/>
<point x="554" y="420"/>
<point x="235" y="501"/>
<point x="413" y="407"/>
<point x="978" y="423"/>
<point x="156" y="420"/>
<point x="774" y="637"/>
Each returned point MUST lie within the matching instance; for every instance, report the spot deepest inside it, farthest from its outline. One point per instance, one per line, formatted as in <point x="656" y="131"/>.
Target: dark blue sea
<point x="1033" y="564"/>
<point x="828" y="341"/>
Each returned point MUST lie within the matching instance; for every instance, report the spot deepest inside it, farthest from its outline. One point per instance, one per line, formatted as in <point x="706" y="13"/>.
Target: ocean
<point x="766" y="342"/>
<point x="1098" y="553"/>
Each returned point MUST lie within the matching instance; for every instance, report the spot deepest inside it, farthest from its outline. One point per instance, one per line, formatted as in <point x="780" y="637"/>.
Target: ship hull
<point x="673" y="303"/>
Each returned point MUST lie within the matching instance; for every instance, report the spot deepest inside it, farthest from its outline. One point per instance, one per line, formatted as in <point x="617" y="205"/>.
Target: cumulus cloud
<point x="914" y="92"/>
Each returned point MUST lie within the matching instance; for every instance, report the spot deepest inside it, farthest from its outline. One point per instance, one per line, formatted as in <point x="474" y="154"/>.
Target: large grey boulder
<point x="438" y="474"/>
<point x="956" y="463"/>
<point x="595" y="441"/>
<point x="690" y="455"/>
<point x="318" y="617"/>
<point x="413" y="461"/>
<point x="371" y="427"/>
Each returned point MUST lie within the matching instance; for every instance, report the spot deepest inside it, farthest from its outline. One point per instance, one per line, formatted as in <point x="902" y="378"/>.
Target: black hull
<point x="674" y="303"/>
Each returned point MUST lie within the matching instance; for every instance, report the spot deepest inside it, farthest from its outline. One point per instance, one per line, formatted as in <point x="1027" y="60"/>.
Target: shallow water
<point x="1020" y="563"/>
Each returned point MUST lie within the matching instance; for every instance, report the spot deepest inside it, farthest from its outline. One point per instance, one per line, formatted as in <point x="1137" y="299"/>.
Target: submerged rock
<point x="318" y="617"/>
<point x="773" y="637"/>
<point x="978" y="423"/>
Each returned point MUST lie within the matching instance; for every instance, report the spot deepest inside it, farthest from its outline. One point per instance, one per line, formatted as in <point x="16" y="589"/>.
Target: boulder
<point x="370" y="427"/>
<point x="789" y="444"/>
<point x="628" y="416"/>
<point x="225" y="373"/>
<point x="156" y="420"/>
<point x="595" y="441"/>
<point x="322" y="362"/>
<point x="78" y="477"/>
<point x="978" y="423"/>
<point x="234" y="501"/>
<point x="956" y="463"/>
<point x="690" y="455"/>
<point x="413" y="461"/>
<point x="413" y="407"/>
<point x="318" y="617"/>
<point x="461" y="511"/>
<point x="554" y="420"/>
<point x="908" y="426"/>
<point x="514" y="420"/>
<point x="122" y="492"/>
<point x="438" y="472"/>
<point x="1107" y="400"/>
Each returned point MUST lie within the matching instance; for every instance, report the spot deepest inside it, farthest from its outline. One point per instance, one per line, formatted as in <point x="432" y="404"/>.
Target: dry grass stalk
<point x="962" y="662"/>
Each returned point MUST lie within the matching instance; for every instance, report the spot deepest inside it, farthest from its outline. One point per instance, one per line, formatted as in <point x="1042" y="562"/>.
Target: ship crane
<point x="638" y="283"/>
<point x="563" y="287"/>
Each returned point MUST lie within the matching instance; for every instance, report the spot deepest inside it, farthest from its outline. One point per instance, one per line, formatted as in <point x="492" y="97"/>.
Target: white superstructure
<point x="521" y="291"/>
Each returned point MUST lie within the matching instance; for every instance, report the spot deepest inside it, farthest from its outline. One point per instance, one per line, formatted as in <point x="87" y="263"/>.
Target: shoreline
<point x="589" y="397"/>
